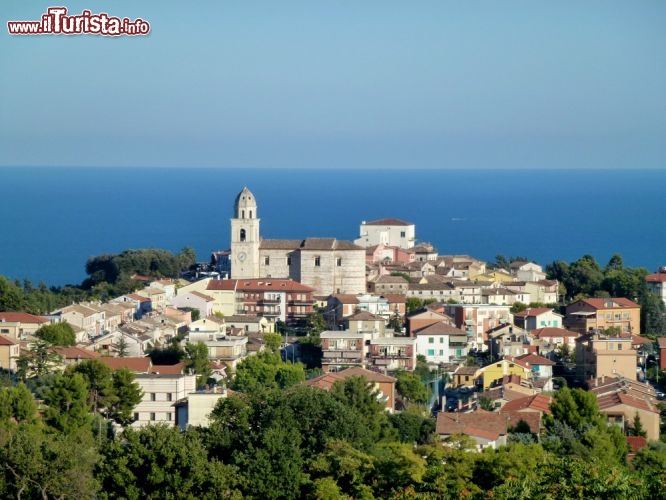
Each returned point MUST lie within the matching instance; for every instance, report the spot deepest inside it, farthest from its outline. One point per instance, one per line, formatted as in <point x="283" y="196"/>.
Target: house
<point x="275" y="299"/>
<point x="167" y="285"/>
<point x="142" y="305"/>
<point x="20" y="325"/>
<point x="507" y="340"/>
<point x="392" y="353"/>
<point x="422" y="252"/>
<point x="656" y="283"/>
<point x="494" y="373"/>
<point x="487" y="429"/>
<point x="603" y="313"/>
<point x="600" y="354"/>
<point x="478" y="319"/>
<point x="365" y="322"/>
<point x="423" y="317"/>
<point x="10" y="350"/>
<point x="162" y="387"/>
<point x="389" y="232"/>
<point x="383" y="254"/>
<point x="540" y="368"/>
<point x="527" y="271"/>
<point x="90" y="321"/>
<point x="249" y="324"/>
<point x="196" y="408"/>
<point x="537" y="317"/>
<point x="466" y="376"/>
<point x="551" y="339"/>
<point x="621" y="408"/>
<point x="343" y="349"/>
<point x="500" y="296"/>
<point x="384" y="384"/>
<point x="157" y="296"/>
<point x="389" y="284"/>
<point x="441" y="342"/>
<point x="74" y="355"/>
<point x="196" y="300"/>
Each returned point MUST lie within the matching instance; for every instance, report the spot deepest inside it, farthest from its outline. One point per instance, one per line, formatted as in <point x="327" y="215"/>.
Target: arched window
<point x="242" y="234"/>
<point x="250" y="214"/>
<point x="242" y="214"/>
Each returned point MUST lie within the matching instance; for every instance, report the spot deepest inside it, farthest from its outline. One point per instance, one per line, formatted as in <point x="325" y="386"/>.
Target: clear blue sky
<point x="354" y="83"/>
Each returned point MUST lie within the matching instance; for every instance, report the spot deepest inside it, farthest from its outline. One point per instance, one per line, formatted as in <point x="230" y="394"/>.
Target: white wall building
<point x="387" y="232"/>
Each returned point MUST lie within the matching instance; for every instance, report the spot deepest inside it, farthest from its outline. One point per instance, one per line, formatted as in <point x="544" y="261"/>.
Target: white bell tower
<point x="245" y="237"/>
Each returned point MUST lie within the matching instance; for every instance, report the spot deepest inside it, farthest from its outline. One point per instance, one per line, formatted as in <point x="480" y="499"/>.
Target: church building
<point x="328" y="265"/>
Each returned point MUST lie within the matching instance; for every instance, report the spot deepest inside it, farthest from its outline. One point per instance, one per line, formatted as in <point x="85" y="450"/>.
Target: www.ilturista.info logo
<point x="56" y="22"/>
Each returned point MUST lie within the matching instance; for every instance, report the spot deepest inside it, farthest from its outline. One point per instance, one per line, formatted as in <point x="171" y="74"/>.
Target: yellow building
<point x="495" y="372"/>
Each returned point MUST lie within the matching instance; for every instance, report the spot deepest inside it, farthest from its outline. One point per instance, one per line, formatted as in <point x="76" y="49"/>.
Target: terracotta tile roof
<point x="136" y="365"/>
<point x="638" y="340"/>
<point x="177" y="369"/>
<point x="466" y="370"/>
<point x="497" y="291"/>
<point x="550" y="332"/>
<point x="388" y="222"/>
<point x="75" y="353"/>
<point x="533" y="359"/>
<point x="533" y="312"/>
<point x="656" y="278"/>
<point x="617" y="302"/>
<point x="536" y="403"/>
<point x="138" y="298"/>
<point x="258" y="284"/>
<point x="279" y="244"/>
<point x="394" y="298"/>
<point x="531" y="418"/>
<point x="4" y="340"/>
<point x="327" y="380"/>
<point x="345" y="298"/>
<point x="480" y="423"/>
<point x="21" y="317"/>
<point x="440" y="328"/>
<point x="611" y="400"/>
<point x="364" y="316"/>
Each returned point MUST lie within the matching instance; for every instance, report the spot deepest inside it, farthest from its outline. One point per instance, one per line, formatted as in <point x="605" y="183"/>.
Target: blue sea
<point x="54" y="219"/>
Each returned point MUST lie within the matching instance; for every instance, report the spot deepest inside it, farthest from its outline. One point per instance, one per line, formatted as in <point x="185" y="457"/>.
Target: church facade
<point x="328" y="265"/>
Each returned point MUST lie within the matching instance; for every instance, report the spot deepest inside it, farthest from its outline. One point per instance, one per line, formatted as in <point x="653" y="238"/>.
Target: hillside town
<point x="490" y="347"/>
<point x="388" y="302"/>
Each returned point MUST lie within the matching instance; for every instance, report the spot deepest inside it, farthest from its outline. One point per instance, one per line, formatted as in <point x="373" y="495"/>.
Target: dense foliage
<point x="586" y="278"/>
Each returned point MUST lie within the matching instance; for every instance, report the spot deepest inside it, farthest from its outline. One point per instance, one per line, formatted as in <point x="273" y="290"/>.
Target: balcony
<point x="266" y="300"/>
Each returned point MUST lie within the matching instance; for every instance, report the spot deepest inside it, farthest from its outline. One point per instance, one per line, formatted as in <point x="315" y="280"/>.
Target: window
<point x="267" y="260"/>
<point x="242" y="234"/>
<point x="152" y="416"/>
<point x="169" y="396"/>
<point x="317" y="261"/>
<point x="402" y="234"/>
<point x="441" y="340"/>
<point x="4" y="330"/>
<point x="168" y="416"/>
<point x="152" y="396"/>
<point x="431" y="340"/>
<point x="619" y="347"/>
<point x="441" y="352"/>
<point x="289" y="261"/>
<point x="136" y="416"/>
<point x="431" y="352"/>
<point x="338" y="261"/>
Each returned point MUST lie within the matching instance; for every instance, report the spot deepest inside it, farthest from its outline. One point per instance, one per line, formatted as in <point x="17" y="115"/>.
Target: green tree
<point x="411" y="388"/>
<point x="272" y="341"/>
<point x="316" y="323"/>
<point x="127" y="394"/>
<point x="67" y="402"/>
<point x="162" y="462"/>
<point x="122" y="347"/>
<point x="266" y="370"/>
<point x="99" y="382"/>
<point x="38" y="362"/>
<point x="637" y="428"/>
<point x="196" y="356"/>
<point x="60" y="334"/>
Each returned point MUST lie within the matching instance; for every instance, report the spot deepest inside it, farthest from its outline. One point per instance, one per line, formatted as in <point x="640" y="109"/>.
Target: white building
<point x="327" y="265"/>
<point x="387" y="232"/>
